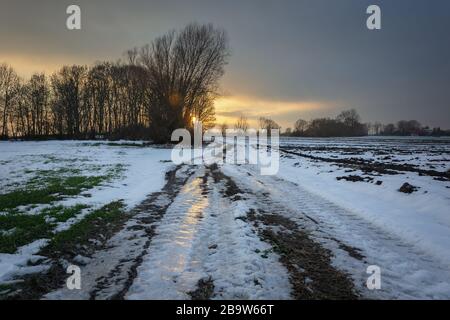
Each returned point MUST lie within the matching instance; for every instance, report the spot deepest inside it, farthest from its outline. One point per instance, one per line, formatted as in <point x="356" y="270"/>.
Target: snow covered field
<point x="226" y="232"/>
<point x="422" y="217"/>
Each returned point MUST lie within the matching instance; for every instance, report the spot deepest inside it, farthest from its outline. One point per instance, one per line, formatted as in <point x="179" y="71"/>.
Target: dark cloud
<point x="295" y="50"/>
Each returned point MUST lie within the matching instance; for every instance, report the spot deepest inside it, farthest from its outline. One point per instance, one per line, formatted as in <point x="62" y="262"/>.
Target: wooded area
<point x="154" y="90"/>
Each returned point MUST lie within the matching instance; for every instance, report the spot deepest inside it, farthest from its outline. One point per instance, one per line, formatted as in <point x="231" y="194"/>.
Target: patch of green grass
<point x="5" y="289"/>
<point x="25" y="229"/>
<point x="18" y="229"/>
<point x="100" y="224"/>
<point x="62" y="214"/>
<point x="42" y="174"/>
<point x="23" y="197"/>
<point x="116" y="171"/>
<point x="85" y="229"/>
<point x="127" y="144"/>
<point x="46" y="187"/>
<point x="49" y="158"/>
<point x="52" y="185"/>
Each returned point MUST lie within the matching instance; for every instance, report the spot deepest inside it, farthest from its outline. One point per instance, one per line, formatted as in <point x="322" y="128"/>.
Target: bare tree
<point x="204" y="111"/>
<point x="21" y="114"/>
<point x="377" y="128"/>
<point x="241" y="124"/>
<point x="183" y="73"/>
<point x="38" y="102"/>
<point x="268" y="124"/>
<point x="68" y="85"/>
<point x="350" y="118"/>
<point x="9" y="88"/>
<point x="223" y="128"/>
<point x="132" y="55"/>
<point x="300" y="126"/>
<point x="408" y="127"/>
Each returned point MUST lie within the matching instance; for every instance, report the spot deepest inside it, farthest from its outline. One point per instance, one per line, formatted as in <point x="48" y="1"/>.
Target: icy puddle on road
<point x="169" y="271"/>
<point x="203" y="249"/>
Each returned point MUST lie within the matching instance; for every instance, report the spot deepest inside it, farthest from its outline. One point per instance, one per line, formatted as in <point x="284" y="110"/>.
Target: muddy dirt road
<point x="225" y="232"/>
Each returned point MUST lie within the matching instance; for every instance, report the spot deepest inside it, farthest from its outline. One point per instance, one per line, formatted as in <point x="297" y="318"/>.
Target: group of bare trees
<point x="268" y="124"/>
<point x="347" y="123"/>
<point x="242" y="125"/>
<point x="156" y="89"/>
<point x="406" y="128"/>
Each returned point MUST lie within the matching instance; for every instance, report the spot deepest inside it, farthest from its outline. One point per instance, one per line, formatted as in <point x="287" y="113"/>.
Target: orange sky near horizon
<point x="27" y="65"/>
<point x="230" y="108"/>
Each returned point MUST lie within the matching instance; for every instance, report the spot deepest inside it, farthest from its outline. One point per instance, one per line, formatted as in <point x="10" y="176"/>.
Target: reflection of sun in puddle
<point x="188" y="227"/>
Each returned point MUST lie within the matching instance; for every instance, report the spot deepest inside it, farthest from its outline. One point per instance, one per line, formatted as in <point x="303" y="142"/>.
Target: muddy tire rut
<point x="309" y="264"/>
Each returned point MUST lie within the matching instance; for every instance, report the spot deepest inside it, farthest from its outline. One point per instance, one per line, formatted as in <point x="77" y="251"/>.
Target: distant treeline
<point x="156" y="89"/>
<point x="405" y="128"/>
<point x="348" y="124"/>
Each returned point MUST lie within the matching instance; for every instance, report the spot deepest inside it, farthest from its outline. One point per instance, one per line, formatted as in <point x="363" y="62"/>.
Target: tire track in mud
<point x="205" y="250"/>
<point x="311" y="273"/>
<point x="148" y="213"/>
<point x="194" y="253"/>
<point x="109" y="270"/>
<point x="248" y="268"/>
<point x="166" y="269"/>
<point x="309" y="264"/>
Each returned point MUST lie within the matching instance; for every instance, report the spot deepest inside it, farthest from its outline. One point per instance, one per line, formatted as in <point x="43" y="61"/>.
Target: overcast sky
<point x="290" y="59"/>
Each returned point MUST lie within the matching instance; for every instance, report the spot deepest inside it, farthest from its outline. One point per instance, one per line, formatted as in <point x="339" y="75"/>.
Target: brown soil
<point x="204" y="291"/>
<point x="407" y="188"/>
<point x="369" y="166"/>
<point x="309" y="264"/>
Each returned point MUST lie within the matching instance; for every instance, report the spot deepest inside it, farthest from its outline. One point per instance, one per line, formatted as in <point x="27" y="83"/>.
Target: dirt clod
<point x="204" y="291"/>
<point x="407" y="188"/>
<point x="355" y="178"/>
